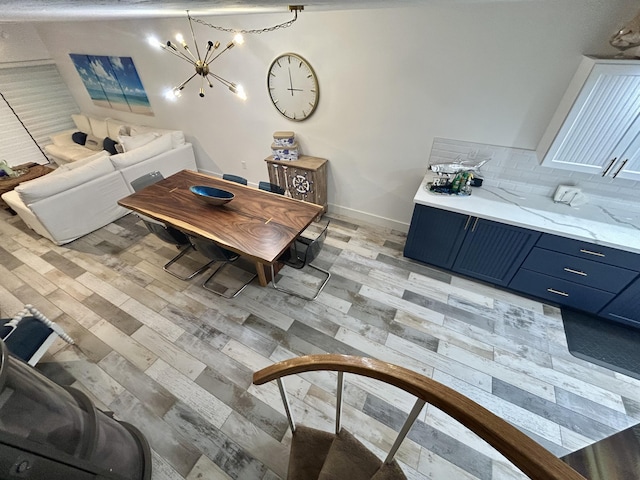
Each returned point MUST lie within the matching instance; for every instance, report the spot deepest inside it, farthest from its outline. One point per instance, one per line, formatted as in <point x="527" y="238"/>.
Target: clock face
<point x="293" y="86"/>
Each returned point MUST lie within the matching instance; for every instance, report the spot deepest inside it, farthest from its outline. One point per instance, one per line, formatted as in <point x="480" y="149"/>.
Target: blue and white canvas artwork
<point x="112" y="82"/>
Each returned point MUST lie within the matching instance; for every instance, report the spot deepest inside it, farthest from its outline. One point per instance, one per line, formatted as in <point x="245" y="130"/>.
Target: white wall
<point x="19" y="43"/>
<point x="390" y="81"/>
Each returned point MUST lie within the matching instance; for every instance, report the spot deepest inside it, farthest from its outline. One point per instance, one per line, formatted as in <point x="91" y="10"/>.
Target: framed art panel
<point x="112" y="82"/>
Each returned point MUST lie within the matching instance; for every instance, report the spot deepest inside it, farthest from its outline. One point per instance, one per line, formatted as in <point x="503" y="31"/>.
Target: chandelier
<point x="201" y="63"/>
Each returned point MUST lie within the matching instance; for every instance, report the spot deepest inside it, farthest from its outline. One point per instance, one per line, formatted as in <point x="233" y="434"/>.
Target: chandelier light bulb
<point x="238" y="90"/>
<point x="238" y="39"/>
<point x="172" y="94"/>
<point x="154" y="42"/>
<point x="180" y="39"/>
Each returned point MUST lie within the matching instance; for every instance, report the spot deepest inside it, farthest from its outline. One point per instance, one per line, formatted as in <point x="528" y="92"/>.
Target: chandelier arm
<point x="210" y="52"/>
<point x="191" y="56"/>
<point x="181" y="86"/>
<point x="229" y="46"/>
<point x="177" y="53"/>
<point x="226" y="83"/>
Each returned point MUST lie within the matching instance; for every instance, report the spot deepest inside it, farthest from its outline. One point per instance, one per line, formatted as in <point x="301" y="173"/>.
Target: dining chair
<point x="219" y="255"/>
<point x="299" y="255"/>
<point x="234" y="178"/>
<point x="271" y="187"/>
<point x="164" y="232"/>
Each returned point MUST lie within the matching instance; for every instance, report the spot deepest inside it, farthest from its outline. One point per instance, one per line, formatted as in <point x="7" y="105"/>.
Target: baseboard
<point x="369" y="218"/>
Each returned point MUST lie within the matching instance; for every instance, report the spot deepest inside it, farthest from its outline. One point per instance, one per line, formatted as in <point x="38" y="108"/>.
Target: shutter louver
<point x="42" y="101"/>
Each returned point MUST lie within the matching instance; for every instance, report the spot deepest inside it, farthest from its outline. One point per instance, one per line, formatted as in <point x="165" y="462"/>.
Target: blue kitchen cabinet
<point x="577" y="274"/>
<point x="435" y="236"/>
<point x="465" y="244"/>
<point x="493" y="251"/>
<point x="625" y="308"/>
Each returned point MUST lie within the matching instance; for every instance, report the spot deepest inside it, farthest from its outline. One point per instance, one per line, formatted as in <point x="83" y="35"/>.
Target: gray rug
<point x="605" y="343"/>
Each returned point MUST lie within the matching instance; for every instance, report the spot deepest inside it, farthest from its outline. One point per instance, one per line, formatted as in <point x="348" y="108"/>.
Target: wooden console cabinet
<point x="304" y="179"/>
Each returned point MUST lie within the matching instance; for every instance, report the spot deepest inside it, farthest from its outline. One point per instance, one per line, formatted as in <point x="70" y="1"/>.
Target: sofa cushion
<point x="99" y="127"/>
<point x="68" y="153"/>
<point x="79" y="137"/>
<point x="48" y="185"/>
<point x="151" y="149"/>
<point x="80" y="163"/>
<point x="115" y="128"/>
<point x="63" y="138"/>
<point x="132" y="142"/>
<point x="82" y="122"/>
<point x="177" y="136"/>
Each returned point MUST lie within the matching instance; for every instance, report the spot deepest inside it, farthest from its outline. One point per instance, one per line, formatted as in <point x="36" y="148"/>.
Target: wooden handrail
<point x="526" y="454"/>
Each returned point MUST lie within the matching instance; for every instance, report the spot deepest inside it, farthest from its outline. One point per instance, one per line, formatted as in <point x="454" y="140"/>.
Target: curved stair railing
<point x="530" y="457"/>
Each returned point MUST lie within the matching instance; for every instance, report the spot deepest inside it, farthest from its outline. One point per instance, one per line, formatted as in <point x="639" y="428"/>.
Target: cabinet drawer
<point x="590" y="251"/>
<point x="560" y="292"/>
<point x="578" y="270"/>
<point x="624" y="308"/>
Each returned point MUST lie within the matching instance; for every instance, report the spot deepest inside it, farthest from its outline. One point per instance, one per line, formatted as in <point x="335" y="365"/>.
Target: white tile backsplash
<point x="519" y="170"/>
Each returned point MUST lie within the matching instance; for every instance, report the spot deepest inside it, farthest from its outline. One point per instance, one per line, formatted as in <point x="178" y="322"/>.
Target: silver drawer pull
<point x="577" y="272"/>
<point x="557" y="292"/>
<point x="597" y="254"/>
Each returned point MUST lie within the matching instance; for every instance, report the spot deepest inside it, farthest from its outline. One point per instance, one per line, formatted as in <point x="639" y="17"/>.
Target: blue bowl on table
<point x="211" y="195"/>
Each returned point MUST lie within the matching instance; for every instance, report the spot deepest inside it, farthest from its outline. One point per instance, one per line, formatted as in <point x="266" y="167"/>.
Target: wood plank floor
<point x="176" y="360"/>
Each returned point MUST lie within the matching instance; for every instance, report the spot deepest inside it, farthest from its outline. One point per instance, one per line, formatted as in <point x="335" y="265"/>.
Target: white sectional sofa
<point x="81" y="196"/>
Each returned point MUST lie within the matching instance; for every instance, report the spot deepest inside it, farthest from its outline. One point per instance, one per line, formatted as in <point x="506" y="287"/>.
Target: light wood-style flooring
<point x="177" y="361"/>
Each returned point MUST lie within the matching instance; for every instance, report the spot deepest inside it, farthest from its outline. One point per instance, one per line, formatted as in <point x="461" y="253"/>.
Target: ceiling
<point x="59" y="10"/>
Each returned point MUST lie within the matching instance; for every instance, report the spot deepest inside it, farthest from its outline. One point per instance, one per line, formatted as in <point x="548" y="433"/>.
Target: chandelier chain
<point x="247" y="32"/>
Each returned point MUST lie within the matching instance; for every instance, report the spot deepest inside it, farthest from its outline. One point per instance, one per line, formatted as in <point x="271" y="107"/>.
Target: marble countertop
<point x="592" y="223"/>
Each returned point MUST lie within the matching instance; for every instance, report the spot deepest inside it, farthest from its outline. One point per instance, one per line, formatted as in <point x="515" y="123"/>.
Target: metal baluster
<point x="415" y="411"/>
<point x="287" y="407"/>
<point x="339" y="391"/>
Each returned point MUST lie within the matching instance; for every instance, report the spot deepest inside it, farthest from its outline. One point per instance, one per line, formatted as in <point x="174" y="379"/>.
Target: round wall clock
<point x="293" y="86"/>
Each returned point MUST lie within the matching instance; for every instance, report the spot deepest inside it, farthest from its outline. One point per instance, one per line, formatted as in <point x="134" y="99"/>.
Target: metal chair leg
<point x="178" y="257"/>
<point x="236" y="293"/>
<point x="296" y="294"/>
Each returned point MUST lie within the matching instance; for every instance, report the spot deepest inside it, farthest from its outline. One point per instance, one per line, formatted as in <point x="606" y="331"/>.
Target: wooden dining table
<point x="256" y="224"/>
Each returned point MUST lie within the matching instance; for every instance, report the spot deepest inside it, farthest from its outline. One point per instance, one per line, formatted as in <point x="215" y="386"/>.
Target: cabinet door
<point x="624" y="308"/>
<point x="602" y="121"/>
<point x="493" y="252"/>
<point x="435" y="235"/>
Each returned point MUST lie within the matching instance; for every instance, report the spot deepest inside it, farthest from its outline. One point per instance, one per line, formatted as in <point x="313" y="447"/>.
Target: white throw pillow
<point x="99" y="127"/>
<point x="177" y="136"/>
<point x="82" y="122"/>
<point x="115" y="128"/>
<point x="151" y="149"/>
<point x="80" y="163"/>
<point x="136" y="141"/>
<point x="48" y="185"/>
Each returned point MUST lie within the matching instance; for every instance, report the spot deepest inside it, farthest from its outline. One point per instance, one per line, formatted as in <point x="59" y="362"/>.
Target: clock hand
<point x="290" y="82"/>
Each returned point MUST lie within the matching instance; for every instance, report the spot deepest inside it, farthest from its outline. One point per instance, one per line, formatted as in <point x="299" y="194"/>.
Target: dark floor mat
<point x="603" y="342"/>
